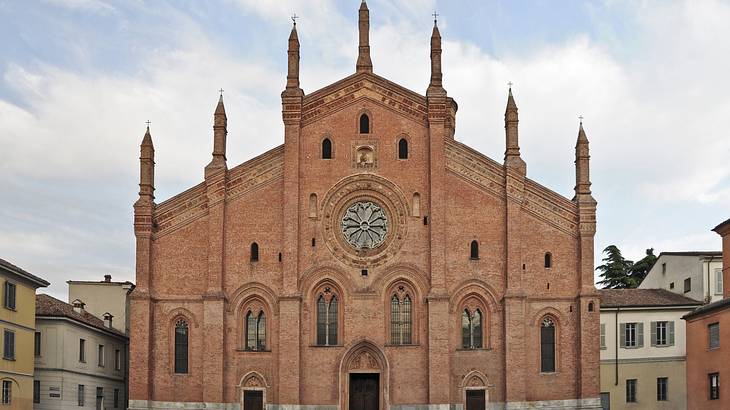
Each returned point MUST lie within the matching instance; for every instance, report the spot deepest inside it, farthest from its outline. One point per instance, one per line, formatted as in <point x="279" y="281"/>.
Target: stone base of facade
<point x="573" y="404"/>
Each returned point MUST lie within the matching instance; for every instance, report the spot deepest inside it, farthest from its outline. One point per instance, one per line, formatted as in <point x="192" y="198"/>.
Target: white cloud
<point x="657" y="118"/>
<point x="93" y="6"/>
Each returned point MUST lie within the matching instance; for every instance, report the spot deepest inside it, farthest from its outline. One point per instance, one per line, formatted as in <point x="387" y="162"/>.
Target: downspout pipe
<point x="615" y="383"/>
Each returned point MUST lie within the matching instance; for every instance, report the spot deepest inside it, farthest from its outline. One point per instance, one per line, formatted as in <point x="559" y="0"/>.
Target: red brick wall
<point x="701" y="361"/>
<point x="181" y="259"/>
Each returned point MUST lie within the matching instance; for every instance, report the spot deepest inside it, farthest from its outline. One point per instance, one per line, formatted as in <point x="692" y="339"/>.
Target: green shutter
<point x="670" y="325"/>
<point x="640" y="334"/>
<point x="653" y="333"/>
<point x="622" y="329"/>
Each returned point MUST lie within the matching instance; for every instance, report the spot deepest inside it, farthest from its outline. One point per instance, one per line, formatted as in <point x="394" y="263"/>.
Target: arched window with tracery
<point x="181" y="346"/>
<point x="401" y="322"/>
<point x="364" y="124"/>
<point x="255" y="330"/>
<point x="547" y="345"/>
<point x="471" y="329"/>
<point x="327" y="318"/>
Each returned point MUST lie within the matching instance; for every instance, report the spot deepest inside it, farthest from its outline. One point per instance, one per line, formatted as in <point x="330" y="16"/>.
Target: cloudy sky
<point x="79" y="78"/>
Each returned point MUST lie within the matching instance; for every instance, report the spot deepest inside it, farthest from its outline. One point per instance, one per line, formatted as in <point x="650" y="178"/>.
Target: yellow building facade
<point x="17" y="335"/>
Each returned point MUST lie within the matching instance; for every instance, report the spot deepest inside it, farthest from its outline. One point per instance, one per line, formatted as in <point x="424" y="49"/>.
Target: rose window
<point x="364" y="225"/>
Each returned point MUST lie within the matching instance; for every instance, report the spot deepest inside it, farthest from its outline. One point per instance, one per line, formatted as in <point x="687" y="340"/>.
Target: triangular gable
<point x="349" y="90"/>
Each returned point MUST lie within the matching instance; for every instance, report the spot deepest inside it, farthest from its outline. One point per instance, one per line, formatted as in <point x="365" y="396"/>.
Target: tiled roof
<point x="693" y="253"/>
<point x="721" y="225"/>
<point x="643" y="298"/>
<point x="7" y="266"/>
<point x="710" y="307"/>
<point x="49" y="306"/>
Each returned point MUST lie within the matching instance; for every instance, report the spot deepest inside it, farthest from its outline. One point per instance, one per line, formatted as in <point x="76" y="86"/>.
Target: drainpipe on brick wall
<point x="615" y="383"/>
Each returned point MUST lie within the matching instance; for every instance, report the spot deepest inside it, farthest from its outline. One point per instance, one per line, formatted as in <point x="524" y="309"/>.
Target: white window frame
<point x="718" y="281"/>
<point x="7" y="393"/>
<point x="662" y="333"/>
<point x="631" y="331"/>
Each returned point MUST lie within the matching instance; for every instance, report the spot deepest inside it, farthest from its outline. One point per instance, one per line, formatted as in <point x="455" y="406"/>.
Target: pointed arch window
<point x="181" y="346"/>
<point x="401" y="323"/>
<point x="327" y="318"/>
<point x="255" y="331"/>
<point x="548" y="260"/>
<point x="474" y="250"/>
<point x="254" y="252"/>
<point x="326" y="149"/>
<point x="364" y="124"/>
<point x="403" y="148"/>
<point x="547" y="345"/>
<point x="471" y="329"/>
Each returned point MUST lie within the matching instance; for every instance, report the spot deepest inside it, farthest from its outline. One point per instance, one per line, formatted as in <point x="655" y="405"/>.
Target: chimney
<point x="78" y="306"/>
<point x="107" y="278"/>
<point x="108" y="319"/>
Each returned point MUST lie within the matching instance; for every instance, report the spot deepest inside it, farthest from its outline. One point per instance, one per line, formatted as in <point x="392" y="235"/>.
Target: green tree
<point x="641" y="268"/>
<point x="615" y="269"/>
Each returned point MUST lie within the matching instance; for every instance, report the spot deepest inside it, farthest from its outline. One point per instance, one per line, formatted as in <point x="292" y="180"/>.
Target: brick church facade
<point x="370" y="262"/>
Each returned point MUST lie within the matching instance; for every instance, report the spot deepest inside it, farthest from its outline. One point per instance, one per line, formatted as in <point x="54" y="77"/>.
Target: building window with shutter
<point x="116" y="398"/>
<point x="632" y="335"/>
<point x="37" y="344"/>
<point x="99" y="398"/>
<point x="80" y="395"/>
<point x="718" y="281"/>
<point x="82" y="350"/>
<point x="547" y="345"/>
<point x="9" y="345"/>
<point x="101" y="356"/>
<point x="662" y="333"/>
<point x="661" y="388"/>
<point x="714" y="385"/>
<point x="181" y="346"/>
<point x="10" y="295"/>
<point x="603" y="336"/>
<point x="36" y="391"/>
<point x="714" y="335"/>
<point x="687" y="285"/>
<point x="117" y="359"/>
<point x="7" y="392"/>
<point x="631" y="391"/>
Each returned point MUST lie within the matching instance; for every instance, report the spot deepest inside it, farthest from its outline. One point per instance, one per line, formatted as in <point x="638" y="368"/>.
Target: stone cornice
<point x="349" y="90"/>
<point x="192" y="204"/>
<point x="488" y="175"/>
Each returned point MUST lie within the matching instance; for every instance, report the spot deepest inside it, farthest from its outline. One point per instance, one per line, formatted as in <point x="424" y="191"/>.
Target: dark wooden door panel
<point x="253" y="400"/>
<point x="475" y="400"/>
<point x="364" y="391"/>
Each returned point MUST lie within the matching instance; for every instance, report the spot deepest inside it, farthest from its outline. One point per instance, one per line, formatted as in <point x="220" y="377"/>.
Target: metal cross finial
<point x="580" y="117"/>
<point x="510" y="84"/>
<point x="435" y="17"/>
<point x="148" y="123"/>
<point x="294" y="18"/>
<point x="221" y="91"/>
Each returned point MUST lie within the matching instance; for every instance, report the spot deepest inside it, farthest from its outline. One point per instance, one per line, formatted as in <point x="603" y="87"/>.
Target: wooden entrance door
<point x="475" y="400"/>
<point x="364" y="391"/>
<point x="253" y="400"/>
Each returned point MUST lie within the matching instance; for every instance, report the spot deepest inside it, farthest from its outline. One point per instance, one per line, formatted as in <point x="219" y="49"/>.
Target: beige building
<point x="80" y="361"/>
<point x="643" y="348"/>
<point x="102" y="298"/>
<point x="696" y="275"/>
<point x="17" y="326"/>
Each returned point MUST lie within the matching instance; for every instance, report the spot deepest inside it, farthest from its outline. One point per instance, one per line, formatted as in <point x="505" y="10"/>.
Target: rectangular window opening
<point x="714" y="384"/>
<point x="661" y="388"/>
<point x="714" y="335"/>
<point x="82" y="350"/>
<point x="37" y="344"/>
<point x="36" y="391"/>
<point x="7" y="392"/>
<point x="631" y="391"/>
<point x="687" y="285"/>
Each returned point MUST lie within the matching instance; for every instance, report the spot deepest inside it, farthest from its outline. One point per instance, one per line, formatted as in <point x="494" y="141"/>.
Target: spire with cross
<point x="294" y="18"/>
<point x="580" y="117"/>
<point x="435" y="18"/>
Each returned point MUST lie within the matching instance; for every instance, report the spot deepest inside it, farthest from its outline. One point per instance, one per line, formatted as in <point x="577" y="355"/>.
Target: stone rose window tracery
<point x="364" y="225"/>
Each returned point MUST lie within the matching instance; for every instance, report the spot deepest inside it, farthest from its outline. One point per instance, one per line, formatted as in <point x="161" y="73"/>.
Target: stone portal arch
<point x="253" y="381"/>
<point x="364" y="356"/>
<point x="475" y="381"/>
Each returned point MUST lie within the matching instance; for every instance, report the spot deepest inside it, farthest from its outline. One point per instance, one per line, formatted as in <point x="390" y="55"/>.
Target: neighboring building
<point x="372" y="261"/>
<point x="80" y="361"/>
<point x="708" y="343"/>
<point x="17" y="326"/>
<point x="642" y="341"/>
<point x="102" y="298"/>
<point x="696" y="275"/>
